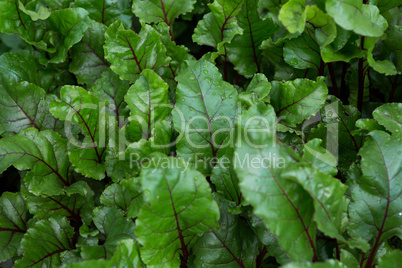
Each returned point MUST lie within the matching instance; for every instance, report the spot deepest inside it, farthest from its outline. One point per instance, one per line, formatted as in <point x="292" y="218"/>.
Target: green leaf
<point x="128" y="161"/>
<point x="273" y="51"/>
<point x="42" y="13"/>
<point x="178" y="54"/>
<point x="337" y="132"/>
<point x="324" y="25"/>
<point x="269" y="240"/>
<point x="65" y="28"/>
<point x="56" y="5"/>
<point x="25" y="105"/>
<point x="390" y="260"/>
<point x="319" y="157"/>
<point x="126" y="255"/>
<point x="161" y="10"/>
<point x="394" y="37"/>
<point x="77" y="206"/>
<point x="113" y="225"/>
<point x="303" y="52"/>
<point x="148" y="101"/>
<point x="382" y="66"/>
<point x="16" y="67"/>
<point x="390" y="116"/>
<point x="295" y="101"/>
<point x="88" y="61"/>
<point x="226" y="182"/>
<point x="369" y="125"/>
<point x="112" y="89"/>
<point x="44" y="153"/>
<point x="375" y="208"/>
<point x="235" y="245"/>
<point x="259" y="166"/>
<point x="244" y="50"/>
<point x="78" y="106"/>
<point x="12" y="19"/>
<point x="13" y="219"/>
<point x="107" y="11"/>
<point x="44" y="242"/>
<point x="131" y="53"/>
<point x="219" y="26"/>
<point x="179" y="208"/>
<point x="353" y="15"/>
<point x="327" y="264"/>
<point x="257" y="90"/>
<point x="204" y="113"/>
<point x="293" y="15"/>
<point x="329" y="201"/>
<point x="125" y="195"/>
<point x="348" y="259"/>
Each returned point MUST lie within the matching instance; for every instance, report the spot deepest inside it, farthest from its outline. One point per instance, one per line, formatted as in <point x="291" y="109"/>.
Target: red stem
<point x="333" y="79"/>
<point x="360" y="90"/>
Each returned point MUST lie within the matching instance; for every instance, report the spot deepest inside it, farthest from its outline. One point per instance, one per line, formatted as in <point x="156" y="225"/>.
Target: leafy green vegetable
<point x="129" y="54"/>
<point x="13" y="224"/>
<point x="166" y="230"/>
<point x="200" y="133"/>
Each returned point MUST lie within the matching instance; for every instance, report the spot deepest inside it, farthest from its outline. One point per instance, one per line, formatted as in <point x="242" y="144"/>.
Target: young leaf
<point x="130" y="53"/>
<point x="127" y="162"/>
<point x="353" y="15"/>
<point x="42" y="13"/>
<point x="107" y="11"/>
<point x="13" y="220"/>
<point x="23" y="106"/>
<point x="113" y="225"/>
<point x="295" y="101"/>
<point x="261" y="162"/>
<point x="148" y="101"/>
<point x="67" y="27"/>
<point x="375" y="209"/>
<point x="258" y="90"/>
<point x="80" y="107"/>
<point x="112" y="89"/>
<point x="125" y="195"/>
<point x="220" y="26"/>
<point x="88" y="60"/>
<point x="44" y="153"/>
<point x="44" y="242"/>
<point x="178" y="54"/>
<point x="203" y="114"/>
<point x="235" y="245"/>
<point x="179" y="207"/>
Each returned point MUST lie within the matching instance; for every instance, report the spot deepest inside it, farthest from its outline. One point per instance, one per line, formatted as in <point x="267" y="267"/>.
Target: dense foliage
<point x="184" y="133"/>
